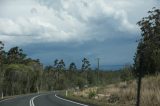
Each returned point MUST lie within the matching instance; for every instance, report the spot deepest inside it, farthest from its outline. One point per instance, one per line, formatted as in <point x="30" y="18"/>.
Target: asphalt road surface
<point x="45" y="99"/>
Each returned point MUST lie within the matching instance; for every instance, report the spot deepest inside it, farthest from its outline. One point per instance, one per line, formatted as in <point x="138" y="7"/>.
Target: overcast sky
<point x="73" y="29"/>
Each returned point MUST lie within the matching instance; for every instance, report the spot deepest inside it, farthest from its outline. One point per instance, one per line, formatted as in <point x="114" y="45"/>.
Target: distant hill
<point x="111" y="67"/>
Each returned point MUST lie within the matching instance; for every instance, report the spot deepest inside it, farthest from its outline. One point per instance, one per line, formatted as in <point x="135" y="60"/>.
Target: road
<point x="45" y="99"/>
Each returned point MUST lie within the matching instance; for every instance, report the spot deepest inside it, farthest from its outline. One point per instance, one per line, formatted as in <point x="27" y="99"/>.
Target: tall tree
<point x="85" y="68"/>
<point x="71" y="74"/>
<point x="1" y="51"/>
<point x="61" y="65"/>
<point x="72" y="67"/>
<point x="1" y="67"/>
<point x="56" y="63"/>
<point x="148" y="50"/>
<point x="16" y="55"/>
<point x="85" y="64"/>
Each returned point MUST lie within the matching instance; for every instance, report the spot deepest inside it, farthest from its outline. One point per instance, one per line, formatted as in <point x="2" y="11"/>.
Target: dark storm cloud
<point x="73" y="29"/>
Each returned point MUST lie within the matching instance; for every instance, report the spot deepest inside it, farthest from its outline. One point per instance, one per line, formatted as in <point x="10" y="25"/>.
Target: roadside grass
<point x="84" y="100"/>
<point x="121" y="94"/>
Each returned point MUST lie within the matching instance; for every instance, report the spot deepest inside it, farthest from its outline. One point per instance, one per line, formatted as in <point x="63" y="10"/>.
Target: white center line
<point x="14" y="97"/>
<point x="32" y="100"/>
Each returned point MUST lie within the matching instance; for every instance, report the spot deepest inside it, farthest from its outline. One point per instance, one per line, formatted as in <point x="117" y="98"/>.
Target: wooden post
<point x="2" y="94"/>
<point x="37" y="89"/>
<point x="138" y="90"/>
<point x="140" y="75"/>
<point x="66" y="93"/>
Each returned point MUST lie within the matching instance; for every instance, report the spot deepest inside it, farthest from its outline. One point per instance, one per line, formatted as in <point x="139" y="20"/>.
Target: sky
<point x="74" y="29"/>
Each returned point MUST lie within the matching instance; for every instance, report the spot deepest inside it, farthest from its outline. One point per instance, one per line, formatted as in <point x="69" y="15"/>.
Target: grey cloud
<point x="56" y="4"/>
<point x="73" y="29"/>
<point x="68" y="20"/>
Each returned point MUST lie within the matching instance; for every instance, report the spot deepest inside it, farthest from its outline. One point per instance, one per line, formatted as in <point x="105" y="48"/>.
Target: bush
<point x="80" y="82"/>
<point x="113" y="98"/>
<point x="126" y="73"/>
<point x="91" y="94"/>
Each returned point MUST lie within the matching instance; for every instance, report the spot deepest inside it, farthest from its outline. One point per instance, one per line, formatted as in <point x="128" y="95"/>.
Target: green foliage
<point x="1" y="52"/>
<point x="126" y="73"/>
<point x="72" y="67"/>
<point x="85" y="64"/>
<point x="15" y="55"/>
<point x="147" y="56"/>
<point x="91" y="77"/>
<point x="91" y="94"/>
<point x="1" y="65"/>
<point x="21" y="75"/>
<point x="80" y="82"/>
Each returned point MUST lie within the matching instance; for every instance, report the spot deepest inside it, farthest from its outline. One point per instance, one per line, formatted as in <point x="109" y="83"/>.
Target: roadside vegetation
<point x="20" y="74"/>
<point x="120" y="94"/>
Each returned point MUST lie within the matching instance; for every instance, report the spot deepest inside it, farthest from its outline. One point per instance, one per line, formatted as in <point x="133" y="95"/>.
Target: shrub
<point x="113" y="98"/>
<point x="91" y="94"/>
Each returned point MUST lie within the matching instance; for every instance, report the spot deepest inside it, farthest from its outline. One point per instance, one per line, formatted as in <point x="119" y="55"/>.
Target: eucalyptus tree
<point x="60" y="69"/>
<point x="72" y="73"/>
<point x="56" y="63"/>
<point x="61" y="65"/>
<point x="1" y="52"/>
<point x="16" y="55"/>
<point x="148" y="49"/>
<point x="38" y="71"/>
<point x="85" y="68"/>
<point x="1" y="66"/>
<point x="72" y="67"/>
<point x="85" y="65"/>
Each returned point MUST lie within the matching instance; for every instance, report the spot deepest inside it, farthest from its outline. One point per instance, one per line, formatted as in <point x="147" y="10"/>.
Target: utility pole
<point x="98" y="59"/>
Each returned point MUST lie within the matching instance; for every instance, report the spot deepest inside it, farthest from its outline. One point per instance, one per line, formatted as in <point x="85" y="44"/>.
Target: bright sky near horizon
<point x="73" y="29"/>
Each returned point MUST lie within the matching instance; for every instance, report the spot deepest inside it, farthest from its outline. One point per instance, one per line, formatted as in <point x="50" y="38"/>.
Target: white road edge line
<point x="70" y="101"/>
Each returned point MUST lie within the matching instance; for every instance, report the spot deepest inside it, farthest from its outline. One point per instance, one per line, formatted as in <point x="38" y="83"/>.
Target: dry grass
<point x="150" y="95"/>
<point x="124" y="93"/>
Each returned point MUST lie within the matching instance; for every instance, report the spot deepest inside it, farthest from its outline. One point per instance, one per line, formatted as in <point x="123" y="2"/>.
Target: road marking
<point x="14" y="97"/>
<point x="70" y="101"/>
<point x="6" y="99"/>
<point x="31" y="102"/>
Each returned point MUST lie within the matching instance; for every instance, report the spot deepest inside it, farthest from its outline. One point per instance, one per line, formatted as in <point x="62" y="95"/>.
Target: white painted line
<point x="15" y="97"/>
<point x="31" y="102"/>
<point x="6" y="99"/>
<point x="70" y="101"/>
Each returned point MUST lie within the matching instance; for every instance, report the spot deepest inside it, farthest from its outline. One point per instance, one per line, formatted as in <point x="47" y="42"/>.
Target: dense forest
<point x="20" y="74"/>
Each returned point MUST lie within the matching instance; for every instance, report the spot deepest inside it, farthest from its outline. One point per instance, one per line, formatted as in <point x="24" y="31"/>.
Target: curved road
<point x="45" y="99"/>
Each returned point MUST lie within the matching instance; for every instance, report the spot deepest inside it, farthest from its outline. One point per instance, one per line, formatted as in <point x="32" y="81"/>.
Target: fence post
<point x="2" y="94"/>
<point x="66" y="93"/>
